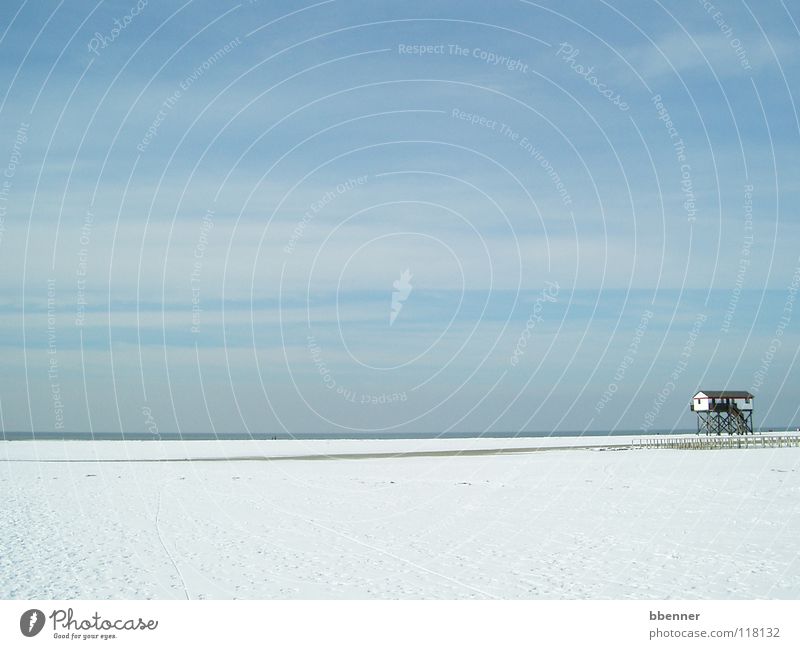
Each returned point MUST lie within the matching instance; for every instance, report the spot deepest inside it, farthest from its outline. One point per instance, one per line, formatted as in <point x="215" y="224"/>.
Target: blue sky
<point x="205" y="212"/>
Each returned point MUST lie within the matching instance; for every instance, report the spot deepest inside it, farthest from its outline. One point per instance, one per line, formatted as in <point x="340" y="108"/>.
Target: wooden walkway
<point x="703" y="442"/>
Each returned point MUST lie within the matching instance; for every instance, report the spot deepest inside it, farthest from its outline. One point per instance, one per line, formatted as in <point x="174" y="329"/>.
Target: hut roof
<point x="725" y="394"/>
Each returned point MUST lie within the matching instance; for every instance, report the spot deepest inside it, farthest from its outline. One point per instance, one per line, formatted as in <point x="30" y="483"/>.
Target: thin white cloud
<point x="706" y="52"/>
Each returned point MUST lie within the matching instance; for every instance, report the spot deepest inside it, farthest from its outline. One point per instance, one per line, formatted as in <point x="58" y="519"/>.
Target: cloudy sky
<point x="353" y="216"/>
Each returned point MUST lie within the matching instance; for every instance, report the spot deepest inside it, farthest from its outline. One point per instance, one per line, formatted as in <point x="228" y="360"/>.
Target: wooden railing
<point x="701" y="442"/>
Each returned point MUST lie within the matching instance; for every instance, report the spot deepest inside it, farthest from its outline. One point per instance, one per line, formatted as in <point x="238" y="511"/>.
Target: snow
<point x="579" y="523"/>
<point x="48" y="450"/>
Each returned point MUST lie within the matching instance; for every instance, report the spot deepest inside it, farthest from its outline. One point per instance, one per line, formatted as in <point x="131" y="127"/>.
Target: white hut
<point x="723" y="411"/>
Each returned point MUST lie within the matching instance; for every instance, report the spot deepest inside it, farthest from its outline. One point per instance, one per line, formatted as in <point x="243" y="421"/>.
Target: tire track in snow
<point x="164" y="545"/>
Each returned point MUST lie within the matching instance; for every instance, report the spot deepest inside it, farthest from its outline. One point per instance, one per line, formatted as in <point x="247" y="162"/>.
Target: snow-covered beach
<point x="109" y="520"/>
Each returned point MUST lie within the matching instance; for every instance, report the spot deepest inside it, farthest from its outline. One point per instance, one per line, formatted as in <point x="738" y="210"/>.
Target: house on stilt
<point x="723" y="411"/>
